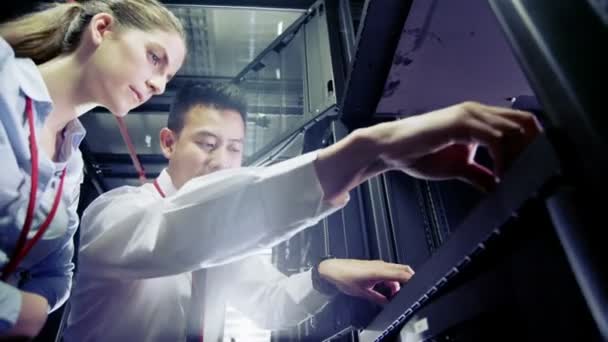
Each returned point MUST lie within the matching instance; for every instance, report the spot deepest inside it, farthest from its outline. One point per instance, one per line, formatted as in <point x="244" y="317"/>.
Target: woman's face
<point x="128" y="67"/>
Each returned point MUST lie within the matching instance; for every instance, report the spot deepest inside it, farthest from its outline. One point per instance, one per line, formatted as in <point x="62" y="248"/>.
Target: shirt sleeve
<point x="10" y="306"/>
<point x="268" y="297"/>
<point x="211" y="221"/>
<point x="52" y="278"/>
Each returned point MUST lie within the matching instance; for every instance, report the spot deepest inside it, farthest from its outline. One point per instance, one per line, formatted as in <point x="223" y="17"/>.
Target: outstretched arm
<point x="436" y="145"/>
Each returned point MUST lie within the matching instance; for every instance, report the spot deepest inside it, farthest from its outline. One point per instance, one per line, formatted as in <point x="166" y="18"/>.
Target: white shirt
<point x="138" y="250"/>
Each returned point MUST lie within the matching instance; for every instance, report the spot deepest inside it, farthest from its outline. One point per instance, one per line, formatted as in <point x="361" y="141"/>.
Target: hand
<point x="442" y="144"/>
<point x="359" y="277"/>
<point x="32" y="317"/>
<point x="436" y="145"/>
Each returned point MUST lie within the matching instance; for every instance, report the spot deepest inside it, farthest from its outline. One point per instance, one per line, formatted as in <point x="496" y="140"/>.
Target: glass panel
<point x="275" y="93"/>
<point x="222" y="41"/>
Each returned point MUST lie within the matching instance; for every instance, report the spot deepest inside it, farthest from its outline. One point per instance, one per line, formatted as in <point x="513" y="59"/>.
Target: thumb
<point x="374" y="296"/>
<point x="478" y="176"/>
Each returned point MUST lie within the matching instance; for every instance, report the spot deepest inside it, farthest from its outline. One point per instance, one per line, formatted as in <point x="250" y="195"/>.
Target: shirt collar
<point x="165" y="183"/>
<point x="73" y="133"/>
<point x="33" y="86"/>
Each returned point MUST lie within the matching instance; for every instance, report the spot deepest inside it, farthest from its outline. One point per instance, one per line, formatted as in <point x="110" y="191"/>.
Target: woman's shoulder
<point x="6" y="53"/>
<point x="21" y="77"/>
<point x="9" y="86"/>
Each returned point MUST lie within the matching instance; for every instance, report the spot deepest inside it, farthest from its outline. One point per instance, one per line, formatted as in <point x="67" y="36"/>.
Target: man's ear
<point x="168" y="139"/>
<point x="99" y="28"/>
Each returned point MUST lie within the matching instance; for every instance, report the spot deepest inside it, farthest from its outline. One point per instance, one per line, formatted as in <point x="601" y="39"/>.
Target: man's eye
<point x="207" y="146"/>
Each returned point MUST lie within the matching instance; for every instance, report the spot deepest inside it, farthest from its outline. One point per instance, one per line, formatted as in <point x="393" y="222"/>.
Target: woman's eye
<point x="154" y="58"/>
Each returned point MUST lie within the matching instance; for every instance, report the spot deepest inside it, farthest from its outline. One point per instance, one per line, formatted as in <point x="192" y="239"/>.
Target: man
<point x="140" y="245"/>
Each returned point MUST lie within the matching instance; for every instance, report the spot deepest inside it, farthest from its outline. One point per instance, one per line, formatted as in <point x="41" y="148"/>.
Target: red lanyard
<point x="160" y="191"/>
<point x="23" y="246"/>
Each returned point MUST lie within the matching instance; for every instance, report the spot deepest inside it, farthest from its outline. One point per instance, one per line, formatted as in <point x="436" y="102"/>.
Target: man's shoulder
<point x="113" y="206"/>
<point x="126" y="195"/>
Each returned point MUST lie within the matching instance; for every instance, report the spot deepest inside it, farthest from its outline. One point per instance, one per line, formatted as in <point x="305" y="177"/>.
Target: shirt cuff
<point x="303" y="293"/>
<point x="10" y="306"/>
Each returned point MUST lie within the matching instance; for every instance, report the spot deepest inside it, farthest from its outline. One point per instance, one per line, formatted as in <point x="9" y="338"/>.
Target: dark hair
<point x="210" y="94"/>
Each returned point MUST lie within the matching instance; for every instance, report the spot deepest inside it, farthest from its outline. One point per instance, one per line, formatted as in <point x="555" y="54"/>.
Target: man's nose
<point x="219" y="160"/>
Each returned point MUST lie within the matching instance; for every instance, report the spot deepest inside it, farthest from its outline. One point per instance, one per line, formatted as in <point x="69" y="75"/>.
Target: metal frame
<point x="276" y="45"/>
<point x="268" y="153"/>
<point x="562" y="62"/>
<point x="406" y="206"/>
<point x="535" y="168"/>
<point x="378" y="221"/>
<point x="375" y="47"/>
<point x="347" y="31"/>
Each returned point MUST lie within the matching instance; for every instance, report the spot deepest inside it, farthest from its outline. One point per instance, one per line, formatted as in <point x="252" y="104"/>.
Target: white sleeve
<point x="268" y="297"/>
<point x="210" y="221"/>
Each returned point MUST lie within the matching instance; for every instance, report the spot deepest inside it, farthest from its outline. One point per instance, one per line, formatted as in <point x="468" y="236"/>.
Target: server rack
<point x="484" y="261"/>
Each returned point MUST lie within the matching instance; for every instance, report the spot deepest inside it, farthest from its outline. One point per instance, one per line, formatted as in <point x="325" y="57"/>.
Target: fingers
<point x="383" y="282"/>
<point x="484" y="134"/>
<point x="405" y="268"/>
<point x="519" y="129"/>
<point x="385" y="271"/>
<point x="374" y="296"/>
<point x="393" y="287"/>
<point x="478" y="176"/>
<point x="529" y="124"/>
<point x="505" y="124"/>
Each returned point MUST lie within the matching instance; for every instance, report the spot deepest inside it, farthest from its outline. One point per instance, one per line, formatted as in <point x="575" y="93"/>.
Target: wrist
<point x="321" y="281"/>
<point x="371" y="144"/>
<point x="323" y="268"/>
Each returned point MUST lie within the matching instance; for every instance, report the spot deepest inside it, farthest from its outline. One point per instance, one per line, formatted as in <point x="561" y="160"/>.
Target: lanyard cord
<point x="23" y="246"/>
<point x="122" y="126"/>
<point x="158" y="188"/>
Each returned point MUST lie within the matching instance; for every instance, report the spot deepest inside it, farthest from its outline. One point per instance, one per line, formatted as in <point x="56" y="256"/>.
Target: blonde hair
<point x="57" y="29"/>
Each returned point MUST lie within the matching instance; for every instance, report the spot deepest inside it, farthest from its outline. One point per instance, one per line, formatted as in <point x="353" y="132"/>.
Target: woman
<point x="55" y="65"/>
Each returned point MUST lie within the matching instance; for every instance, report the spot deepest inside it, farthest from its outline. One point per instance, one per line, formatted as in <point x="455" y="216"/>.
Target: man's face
<point x="211" y="140"/>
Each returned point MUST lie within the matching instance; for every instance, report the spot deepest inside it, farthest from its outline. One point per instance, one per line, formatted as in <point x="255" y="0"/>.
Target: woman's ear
<point x="100" y="26"/>
<point x="168" y="139"/>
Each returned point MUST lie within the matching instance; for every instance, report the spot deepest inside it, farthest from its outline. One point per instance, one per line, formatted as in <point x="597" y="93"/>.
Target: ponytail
<point x="46" y="34"/>
<point x="57" y="29"/>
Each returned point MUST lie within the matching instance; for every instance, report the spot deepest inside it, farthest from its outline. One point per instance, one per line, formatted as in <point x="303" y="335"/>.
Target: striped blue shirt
<point x="47" y="270"/>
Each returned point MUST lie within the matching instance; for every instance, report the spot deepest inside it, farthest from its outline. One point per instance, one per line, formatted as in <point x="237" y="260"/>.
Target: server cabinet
<point x="485" y="262"/>
<point x="447" y="228"/>
<point x="453" y="218"/>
